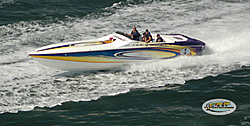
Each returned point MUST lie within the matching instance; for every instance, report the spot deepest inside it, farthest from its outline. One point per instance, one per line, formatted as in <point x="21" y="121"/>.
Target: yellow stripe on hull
<point x="84" y="59"/>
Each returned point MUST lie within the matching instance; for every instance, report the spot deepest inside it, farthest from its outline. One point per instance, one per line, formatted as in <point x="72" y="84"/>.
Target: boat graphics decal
<point x="89" y="59"/>
<point x="146" y="54"/>
<point x="119" y="55"/>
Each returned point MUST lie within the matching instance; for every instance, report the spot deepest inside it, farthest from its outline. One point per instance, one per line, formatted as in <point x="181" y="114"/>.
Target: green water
<point x="170" y="105"/>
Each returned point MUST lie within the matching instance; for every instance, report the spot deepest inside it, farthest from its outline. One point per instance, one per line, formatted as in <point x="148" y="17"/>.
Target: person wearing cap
<point x="159" y="38"/>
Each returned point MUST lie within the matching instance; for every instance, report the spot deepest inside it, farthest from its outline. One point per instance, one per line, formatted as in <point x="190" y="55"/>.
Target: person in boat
<point x="144" y="38"/>
<point x="134" y="34"/>
<point x="148" y="36"/>
<point x="159" y="38"/>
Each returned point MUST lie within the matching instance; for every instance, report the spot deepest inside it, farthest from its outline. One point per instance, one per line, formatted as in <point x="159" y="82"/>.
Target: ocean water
<point x="165" y="92"/>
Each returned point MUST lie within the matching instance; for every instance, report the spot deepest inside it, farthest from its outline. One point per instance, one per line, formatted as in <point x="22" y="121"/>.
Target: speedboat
<point x="113" y="51"/>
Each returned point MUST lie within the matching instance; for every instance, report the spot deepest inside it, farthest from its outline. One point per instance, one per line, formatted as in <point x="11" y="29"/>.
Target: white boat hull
<point x="78" y="66"/>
